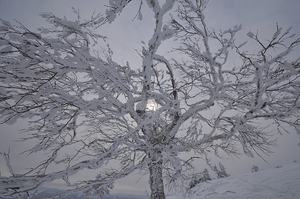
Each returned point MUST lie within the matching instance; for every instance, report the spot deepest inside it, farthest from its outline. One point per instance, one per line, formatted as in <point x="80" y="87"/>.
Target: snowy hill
<point x="275" y="183"/>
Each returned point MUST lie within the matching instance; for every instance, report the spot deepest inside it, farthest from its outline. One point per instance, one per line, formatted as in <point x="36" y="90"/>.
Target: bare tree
<point x="141" y="119"/>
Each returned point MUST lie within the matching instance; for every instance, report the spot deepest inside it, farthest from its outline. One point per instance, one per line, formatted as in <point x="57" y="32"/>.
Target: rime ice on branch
<point x="74" y="97"/>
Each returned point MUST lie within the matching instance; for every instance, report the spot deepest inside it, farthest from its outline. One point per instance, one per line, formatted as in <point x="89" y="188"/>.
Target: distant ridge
<point x="48" y="193"/>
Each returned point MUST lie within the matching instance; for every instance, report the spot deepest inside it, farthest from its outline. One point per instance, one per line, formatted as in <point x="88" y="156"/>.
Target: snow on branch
<point x="120" y="118"/>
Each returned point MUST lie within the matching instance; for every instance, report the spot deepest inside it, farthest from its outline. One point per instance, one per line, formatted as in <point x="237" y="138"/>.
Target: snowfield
<point x="282" y="182"/>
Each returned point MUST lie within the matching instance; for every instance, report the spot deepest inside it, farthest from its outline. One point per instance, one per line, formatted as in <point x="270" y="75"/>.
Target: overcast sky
<point x="125" y="36"/>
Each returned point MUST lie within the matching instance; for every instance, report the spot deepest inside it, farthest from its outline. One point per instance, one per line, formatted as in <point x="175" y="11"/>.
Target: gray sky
<point x="125" y="35"/>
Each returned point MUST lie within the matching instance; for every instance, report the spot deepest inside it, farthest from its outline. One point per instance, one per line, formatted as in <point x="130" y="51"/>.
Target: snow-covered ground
<point x="275" y="183"/>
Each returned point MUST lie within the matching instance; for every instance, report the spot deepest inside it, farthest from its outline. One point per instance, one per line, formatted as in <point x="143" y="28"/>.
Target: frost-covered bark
<point x="77" y="97"/>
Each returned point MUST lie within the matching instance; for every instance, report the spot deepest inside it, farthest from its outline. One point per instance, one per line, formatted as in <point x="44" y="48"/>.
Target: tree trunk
<point x="156" y="177"/>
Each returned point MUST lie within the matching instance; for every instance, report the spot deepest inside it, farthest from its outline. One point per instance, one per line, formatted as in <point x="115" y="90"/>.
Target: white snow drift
<point x="275" y="183"/>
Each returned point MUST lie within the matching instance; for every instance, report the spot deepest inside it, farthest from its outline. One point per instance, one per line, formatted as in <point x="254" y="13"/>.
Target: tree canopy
<point x="145" y="118"/>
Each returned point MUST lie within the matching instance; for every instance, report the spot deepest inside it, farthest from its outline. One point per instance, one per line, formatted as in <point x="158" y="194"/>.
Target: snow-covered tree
<point x="141" y="118"/>
<point x="220" y="172"/>
<point x="254" y="168"/>
<point x="201" y="177"/>
<point x="223" y="173"/>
